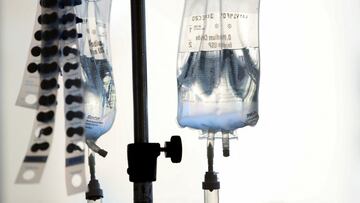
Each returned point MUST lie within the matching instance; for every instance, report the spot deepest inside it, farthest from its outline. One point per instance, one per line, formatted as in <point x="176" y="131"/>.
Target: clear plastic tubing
<point x="211" y="196"/>
<point x="210" y="151"/>
<point x="96" y="201"/>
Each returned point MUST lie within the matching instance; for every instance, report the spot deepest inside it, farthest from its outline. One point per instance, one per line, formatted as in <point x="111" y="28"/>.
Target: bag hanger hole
<point x="29" y="174"/>
<point x="76" y="180"/>
<point x="31" y="99"/>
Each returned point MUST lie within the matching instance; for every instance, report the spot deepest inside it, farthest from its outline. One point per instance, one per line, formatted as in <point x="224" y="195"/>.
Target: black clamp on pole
<point x="142" y="158"/>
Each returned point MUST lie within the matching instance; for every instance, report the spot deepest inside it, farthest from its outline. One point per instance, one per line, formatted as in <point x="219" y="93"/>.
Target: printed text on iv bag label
<point x="216" y="31"/>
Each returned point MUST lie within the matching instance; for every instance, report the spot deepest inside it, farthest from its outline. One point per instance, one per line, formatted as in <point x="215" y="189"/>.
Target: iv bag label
<point x="96" y="39"/>
<point x="217" y="31"/>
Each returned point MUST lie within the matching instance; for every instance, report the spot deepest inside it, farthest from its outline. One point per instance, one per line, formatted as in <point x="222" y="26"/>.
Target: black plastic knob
<point x="65" y="3"/>
<point x="47" y="100"/>
<point x="49" y="51"/>
<point x="32" y="67"/>
<point x="36" y="51"/>
<point x="48" y="18"/>
<point x="48" y="3"/>
<point x="68" y="50"/>
<point x="47" y="68"/>
<point x="68" y="18"/>
<point x="173" y="149"/>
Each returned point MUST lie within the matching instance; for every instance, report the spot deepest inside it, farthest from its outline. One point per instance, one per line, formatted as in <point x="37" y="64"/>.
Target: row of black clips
<point x="54" y="52"/>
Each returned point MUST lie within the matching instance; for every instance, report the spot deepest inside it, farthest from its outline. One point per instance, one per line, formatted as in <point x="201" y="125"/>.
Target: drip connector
<point x="94" y="192"/>
<point x="226" y="144"/>
<point x="211" y="182"/>
<point x="91" y="144"/>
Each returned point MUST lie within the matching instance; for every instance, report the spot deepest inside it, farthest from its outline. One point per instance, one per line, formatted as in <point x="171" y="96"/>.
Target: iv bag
<point x="99" y="87"/>
<point x="218" y="65"/>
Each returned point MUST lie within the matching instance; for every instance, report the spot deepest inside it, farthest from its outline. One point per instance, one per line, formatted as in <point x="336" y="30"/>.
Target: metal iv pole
<point x="142" y="191"/>
<point x="142" y="155"/>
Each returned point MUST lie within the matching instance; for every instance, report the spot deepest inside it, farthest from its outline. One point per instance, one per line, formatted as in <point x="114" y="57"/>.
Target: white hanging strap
<point x="40" y="81"/>
<point x="74" y="107"/>
<point x="29" y="91"/>
<point x="55" y="45"/>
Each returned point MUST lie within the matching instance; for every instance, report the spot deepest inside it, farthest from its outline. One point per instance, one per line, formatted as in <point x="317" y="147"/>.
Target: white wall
<point x="1" y="113"/>
<point x="305" y="148"/>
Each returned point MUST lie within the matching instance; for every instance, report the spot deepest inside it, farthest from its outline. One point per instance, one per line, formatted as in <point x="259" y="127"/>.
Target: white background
<point x="305" y="148"/>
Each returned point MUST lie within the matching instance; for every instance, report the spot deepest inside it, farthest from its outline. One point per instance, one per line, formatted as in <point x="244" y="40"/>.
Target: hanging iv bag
<point x="99" y="87"/>
<point x="218" y="65"/>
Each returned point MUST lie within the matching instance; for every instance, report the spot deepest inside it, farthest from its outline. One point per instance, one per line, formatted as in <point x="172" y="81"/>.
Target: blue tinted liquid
<point x="99" y="96"/>
<point x="218" y="90"/>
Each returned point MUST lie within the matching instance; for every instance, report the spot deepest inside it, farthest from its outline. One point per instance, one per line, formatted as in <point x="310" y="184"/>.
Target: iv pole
<point x="142" y="155"/>
<point x="142" y="191"/>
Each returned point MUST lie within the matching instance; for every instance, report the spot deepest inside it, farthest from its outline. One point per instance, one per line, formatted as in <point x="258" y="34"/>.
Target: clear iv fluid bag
<point x="95" y="59"/>
<point x="218" y="65"/>
<point x="99" y="97"/>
